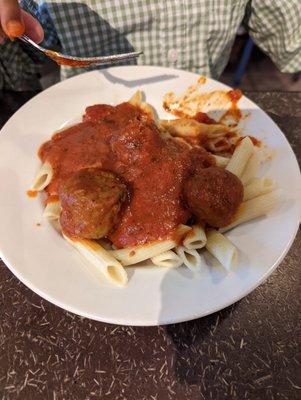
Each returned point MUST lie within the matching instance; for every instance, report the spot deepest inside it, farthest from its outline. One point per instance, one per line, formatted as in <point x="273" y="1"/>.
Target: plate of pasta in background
<point x="145" y="195"/>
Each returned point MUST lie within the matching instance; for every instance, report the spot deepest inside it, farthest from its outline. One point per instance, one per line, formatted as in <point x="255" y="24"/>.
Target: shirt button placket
<point x="173" y="55"/>
<point x="163" y="33"/>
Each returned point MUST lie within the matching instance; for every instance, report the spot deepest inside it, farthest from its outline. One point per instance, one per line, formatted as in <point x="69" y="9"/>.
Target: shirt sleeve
<point x="275" y="26"/>
<point x="17" y="70"/>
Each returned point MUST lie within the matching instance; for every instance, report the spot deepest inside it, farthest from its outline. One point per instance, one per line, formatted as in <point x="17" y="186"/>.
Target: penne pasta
<point x="221" y="248"/>
<point x="196" y="238"/>
<point x="190" y="257"/>
<point x="259" y="186"/>
<point x="167" y="259"/>
<point x="135" y="254"/>
<point x="240" y="157"/>
<point x="148" y="109"/>
<point x="136" y="99"/>
<point x="219" y="145"/>
<point x="218" y="137"/>
<point x="101" y="259"/>
<point x="43" y="177"/>
<point x="252" y="167"/>
<point x="184" y="127"/>
<point x="255" y="208"/>
<point x="52" y="210"/>
<point x="221" y="161"/>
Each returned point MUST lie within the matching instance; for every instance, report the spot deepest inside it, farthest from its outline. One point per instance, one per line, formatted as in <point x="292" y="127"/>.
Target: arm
<point x="275" y="26"/>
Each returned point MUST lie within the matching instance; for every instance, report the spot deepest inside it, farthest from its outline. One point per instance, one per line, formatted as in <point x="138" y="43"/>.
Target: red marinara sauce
<point x="255" y="141"/>
<point x="235" y="95"/>
<point x="204" y="118"/>
<point x="32" y="193"/>
<point x="125" y="141"/>
<point x="234" y="112"/>
<point x="60" y="60"/>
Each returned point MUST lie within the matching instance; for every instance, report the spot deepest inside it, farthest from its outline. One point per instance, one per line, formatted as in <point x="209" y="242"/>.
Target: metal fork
<point x="71" y="61"/>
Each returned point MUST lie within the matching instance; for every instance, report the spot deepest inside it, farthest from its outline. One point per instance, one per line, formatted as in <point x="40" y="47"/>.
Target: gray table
<point x="250" y="350"/>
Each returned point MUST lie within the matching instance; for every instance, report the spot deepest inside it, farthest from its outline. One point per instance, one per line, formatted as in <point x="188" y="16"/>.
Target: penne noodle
<point x="184" y="127"/>
<point x="254" y="208"/>
<point x="218" y="145"/>
<point x="135" y="254"/>
<point x="216" y="135"/>
<point x="136" y="99"/>
<point x="240" y="157"/>
<point x="221" y="161"/>
<point x="52" y="210"/>
<point x="196" y="238"/>
<point x="221" y="248"/>
<point x="101" y="259"/>
<point x="181" y="127"/>
<point x="190" y="258"/>
<point x="148" y="109"/>
<point x="43" y="177"/>
<point x="167" y="259"/>
<point x="252" y="167"/>
<point x="259" y="186"/>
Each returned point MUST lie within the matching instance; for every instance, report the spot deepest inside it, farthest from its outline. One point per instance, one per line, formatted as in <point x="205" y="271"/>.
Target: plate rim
<point x="151" y="322"/>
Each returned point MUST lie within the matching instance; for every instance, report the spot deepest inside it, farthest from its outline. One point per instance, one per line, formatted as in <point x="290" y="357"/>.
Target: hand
<point x="14" y="22"/>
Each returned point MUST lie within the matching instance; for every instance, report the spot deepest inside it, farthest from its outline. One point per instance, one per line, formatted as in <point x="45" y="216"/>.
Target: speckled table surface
<point x="250" y="350"/>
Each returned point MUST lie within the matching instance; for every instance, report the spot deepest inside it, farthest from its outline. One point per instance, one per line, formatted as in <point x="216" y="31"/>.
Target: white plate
<point x="44" y="262"/>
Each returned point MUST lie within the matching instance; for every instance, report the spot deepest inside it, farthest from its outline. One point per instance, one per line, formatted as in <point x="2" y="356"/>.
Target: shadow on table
<point x="189" y="339"/>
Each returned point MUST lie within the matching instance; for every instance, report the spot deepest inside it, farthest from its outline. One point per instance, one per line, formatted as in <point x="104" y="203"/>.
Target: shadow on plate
<point x="136" y="82"/>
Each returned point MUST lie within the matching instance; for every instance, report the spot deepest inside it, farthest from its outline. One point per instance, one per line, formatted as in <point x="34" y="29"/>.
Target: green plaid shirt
<point x="195" y="35"/>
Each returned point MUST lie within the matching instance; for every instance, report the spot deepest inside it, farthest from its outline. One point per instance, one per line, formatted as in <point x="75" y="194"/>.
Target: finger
<point x="11" y="18"/>
<point x="33" y="29"/>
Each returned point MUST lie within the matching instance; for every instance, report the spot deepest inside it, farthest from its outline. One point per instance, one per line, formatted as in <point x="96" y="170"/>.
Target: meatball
<point x="91" y="202"/>
<point x="213" y="195"/>
<point x="200" y="158"/>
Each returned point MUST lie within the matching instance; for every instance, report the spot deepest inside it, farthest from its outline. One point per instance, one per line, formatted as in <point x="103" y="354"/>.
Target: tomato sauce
<point x="51" y="198"/>
<point x="235" y="95"/>
<point x="234" y="112"/>
<point x="204" y="118"/>
<point x="125" y="141"/>
<point x="255" y="141"/>
<point x="32" y="193"/>
<point x="60" y="60"/>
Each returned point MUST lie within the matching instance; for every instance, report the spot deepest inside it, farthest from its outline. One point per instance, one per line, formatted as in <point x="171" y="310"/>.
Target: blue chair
<point x="241" y="69"/>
